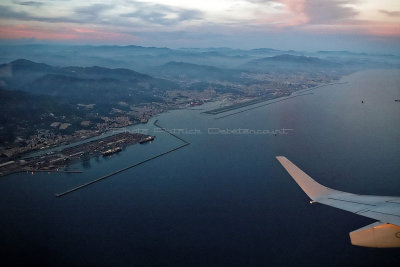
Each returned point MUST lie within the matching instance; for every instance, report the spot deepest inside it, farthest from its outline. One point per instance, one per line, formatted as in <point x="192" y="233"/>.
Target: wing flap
<point x="382" y="210"/>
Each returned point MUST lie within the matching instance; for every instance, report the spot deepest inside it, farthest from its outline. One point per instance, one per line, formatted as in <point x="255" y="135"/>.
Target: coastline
<point x="54" y="161"/>
<point x="256" y="103"/>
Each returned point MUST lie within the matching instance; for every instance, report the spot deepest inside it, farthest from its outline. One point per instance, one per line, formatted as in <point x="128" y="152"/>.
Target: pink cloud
<point x="65" y="33"/>
<point x="297" y="9"/>
<point x="326" y="17"/>
<point x="357" y="27"/>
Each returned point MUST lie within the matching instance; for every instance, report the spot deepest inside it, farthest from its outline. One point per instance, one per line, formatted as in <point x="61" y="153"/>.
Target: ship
<point x="111" y="151"/>
<point x="196" y="103"/>
<point x="147" y="139"/>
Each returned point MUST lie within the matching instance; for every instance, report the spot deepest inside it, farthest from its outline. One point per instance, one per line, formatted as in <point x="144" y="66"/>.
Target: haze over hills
<point x="294" y="59"/>
<point x="95" y="84"/>
<point x="193" y="72"/>
<point x="89" y="89"/>
<point x="142" y="59"/>
<point x="34" y="95"/>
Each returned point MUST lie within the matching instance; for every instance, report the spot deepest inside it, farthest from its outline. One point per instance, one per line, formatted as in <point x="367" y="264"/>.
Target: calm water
<point x="224" y="199"/>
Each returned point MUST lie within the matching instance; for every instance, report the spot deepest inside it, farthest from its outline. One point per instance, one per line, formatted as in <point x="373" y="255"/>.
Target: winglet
<point x="313" y="189"/>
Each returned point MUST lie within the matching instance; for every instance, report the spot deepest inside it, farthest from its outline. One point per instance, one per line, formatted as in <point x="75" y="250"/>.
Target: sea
<point x="223" y="200"/>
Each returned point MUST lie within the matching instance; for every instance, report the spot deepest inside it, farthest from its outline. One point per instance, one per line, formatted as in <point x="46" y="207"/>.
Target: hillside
<point x="84" y="84"/>
<point x="21" y="113"/>
<point x="194" y="72"/>
<point x="289" y="62"/>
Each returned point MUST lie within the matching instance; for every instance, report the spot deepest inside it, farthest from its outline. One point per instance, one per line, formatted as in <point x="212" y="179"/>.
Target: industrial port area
<point x="58" y="160"/>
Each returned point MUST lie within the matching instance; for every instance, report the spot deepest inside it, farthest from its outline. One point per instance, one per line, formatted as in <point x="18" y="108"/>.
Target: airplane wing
<point x="385" y="209"/>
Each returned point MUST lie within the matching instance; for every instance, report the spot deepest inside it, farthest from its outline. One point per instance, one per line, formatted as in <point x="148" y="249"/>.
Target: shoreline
<point x="185" y="143"/>
<point x="260" y="100"/>
<point x="109" y="132"/>
<point x="53" y="161"/>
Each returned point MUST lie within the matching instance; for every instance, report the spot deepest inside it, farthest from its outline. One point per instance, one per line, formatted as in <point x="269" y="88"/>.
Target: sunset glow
<point x="160" y="22"/>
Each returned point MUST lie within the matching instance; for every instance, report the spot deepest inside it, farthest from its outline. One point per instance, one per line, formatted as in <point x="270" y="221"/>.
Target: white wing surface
<point x="385" y="209"/>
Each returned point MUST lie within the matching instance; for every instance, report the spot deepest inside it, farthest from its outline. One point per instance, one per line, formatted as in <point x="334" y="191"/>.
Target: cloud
<point x="130" y="14"/>
<point x="390" y="13"/>
<point x="193" y="22"/>
<point x="93" y="14"/>
<point x="31" y="3"/>
<point x="92" y="11"/>
<point x="321" y="11"/>
<point x="162" y="14"/>
<point x="326" y="11"/>
<point x="63" y="33"/>
<point x="9" y="13"/>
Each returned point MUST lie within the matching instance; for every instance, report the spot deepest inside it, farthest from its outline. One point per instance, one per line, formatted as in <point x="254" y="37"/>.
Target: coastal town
<point x="44" y="121"/>
<point x="60" y="131"/>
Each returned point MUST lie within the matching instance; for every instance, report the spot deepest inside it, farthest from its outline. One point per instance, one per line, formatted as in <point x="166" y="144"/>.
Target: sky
<point x="284" y="24"/>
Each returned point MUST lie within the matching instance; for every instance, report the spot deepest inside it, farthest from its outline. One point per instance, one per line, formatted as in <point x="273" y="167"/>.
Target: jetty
<point x="185" y="143"/>
<point x="63" y="171"/>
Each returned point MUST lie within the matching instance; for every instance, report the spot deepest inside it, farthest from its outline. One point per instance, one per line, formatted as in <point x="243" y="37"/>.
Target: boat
<point x="147" y="139"/>
<point x="111" y="151"/>
<point x="196" y="103"/>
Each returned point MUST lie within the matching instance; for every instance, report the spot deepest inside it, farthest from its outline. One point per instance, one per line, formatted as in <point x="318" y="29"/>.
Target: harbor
<point x="185" y="143"/>
<point x="53" y="161"/>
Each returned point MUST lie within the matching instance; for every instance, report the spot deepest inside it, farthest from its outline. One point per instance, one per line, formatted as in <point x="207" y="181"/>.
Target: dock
<point x="129" y="167"/>
<point x="63" y="171"/>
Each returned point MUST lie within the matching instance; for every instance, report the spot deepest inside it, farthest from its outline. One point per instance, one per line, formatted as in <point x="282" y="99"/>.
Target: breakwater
<point x="185" y="143"/>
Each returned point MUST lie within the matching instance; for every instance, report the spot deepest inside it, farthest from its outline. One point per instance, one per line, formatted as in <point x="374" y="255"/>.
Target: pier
<point x="129" y="167"/>
<point x="63" y="171"/>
